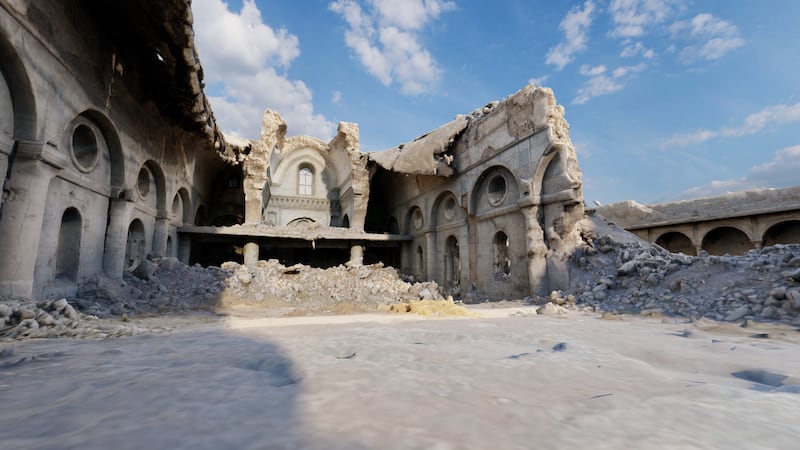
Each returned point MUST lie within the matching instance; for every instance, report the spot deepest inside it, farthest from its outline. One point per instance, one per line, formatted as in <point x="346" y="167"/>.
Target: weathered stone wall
<point x="86" y="150"/>
<point x="731" y="223"/>
<point x="514" y="201"/>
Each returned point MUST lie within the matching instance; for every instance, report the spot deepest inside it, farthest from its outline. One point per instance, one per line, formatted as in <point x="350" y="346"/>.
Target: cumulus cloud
<point x="599" y="83"/>
<point x="780" y="171"/>
<point x="710" y="37"/>
<point x="575" y="26"/>
<point x="241" y="54"/>
<point x="752" y="124"/>
<point x="384" y="35"/>
<point x="632" y="18"/>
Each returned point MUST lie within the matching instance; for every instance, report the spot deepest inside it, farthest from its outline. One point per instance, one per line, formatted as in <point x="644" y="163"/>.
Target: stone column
<point x="160" y="234"/>
<point x="356" y="256"/>
<point x="23" y="212"/>
<point x="250" y="254"/>
<point x="536" y="252"/>
<point x="119" y="217"/>
<point x="431" y="258"/>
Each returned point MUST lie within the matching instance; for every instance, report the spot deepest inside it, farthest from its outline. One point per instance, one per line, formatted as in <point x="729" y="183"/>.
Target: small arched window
<point x="305" y="181"/>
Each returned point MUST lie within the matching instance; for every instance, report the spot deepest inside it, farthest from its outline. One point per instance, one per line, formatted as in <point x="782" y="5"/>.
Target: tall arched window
<point x="502" y="263"/>
<point x="305" y="181"/>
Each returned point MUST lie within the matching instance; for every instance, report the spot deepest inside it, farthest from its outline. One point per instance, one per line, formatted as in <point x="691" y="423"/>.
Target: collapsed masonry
<point x="111" y="159"/>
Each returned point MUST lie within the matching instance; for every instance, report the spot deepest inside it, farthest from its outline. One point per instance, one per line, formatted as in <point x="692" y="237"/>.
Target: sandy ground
<point x="507" y="380"/>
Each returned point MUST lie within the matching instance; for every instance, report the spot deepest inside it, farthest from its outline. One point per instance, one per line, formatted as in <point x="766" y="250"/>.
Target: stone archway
<point x="726" y="240"/>
<point x="677" y="242"/>
<point x="787" y="232"/>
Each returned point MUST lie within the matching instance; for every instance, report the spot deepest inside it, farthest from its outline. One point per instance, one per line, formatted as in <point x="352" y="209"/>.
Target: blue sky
<point x="666" y="99"/>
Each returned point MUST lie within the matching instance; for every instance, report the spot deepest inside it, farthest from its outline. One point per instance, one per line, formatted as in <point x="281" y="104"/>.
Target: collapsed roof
<point x="425" y="155"/>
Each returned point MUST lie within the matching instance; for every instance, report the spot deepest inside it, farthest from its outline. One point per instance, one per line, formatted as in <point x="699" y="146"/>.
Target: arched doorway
<point x="68" y="253"/>
<point x="726" y="240"/>
<point x="787" y="232"/>
<point x="500" y="259"/>
<point x="452" y="265"/>
<point x="135" y="251"/>
<point x="677" y="242"/>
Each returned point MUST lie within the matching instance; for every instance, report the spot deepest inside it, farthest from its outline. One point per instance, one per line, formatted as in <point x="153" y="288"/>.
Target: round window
<point x="417" y="218"/>
<point x="496" y="190"/>
<point x="143" y="182"/>
<point x="84" y="148"/>
<point x="449" y="208"/>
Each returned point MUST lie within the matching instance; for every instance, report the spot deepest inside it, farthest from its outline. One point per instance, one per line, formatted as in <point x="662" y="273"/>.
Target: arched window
<point x="420" y="264"/>
<point x="305" y="181"/>
<point x="502" y="263"/>
<point x="69" y="245"/>
<point x="452" y="263"/>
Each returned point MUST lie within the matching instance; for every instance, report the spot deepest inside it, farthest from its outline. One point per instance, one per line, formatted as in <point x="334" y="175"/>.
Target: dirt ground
<point x="508" y="379"/>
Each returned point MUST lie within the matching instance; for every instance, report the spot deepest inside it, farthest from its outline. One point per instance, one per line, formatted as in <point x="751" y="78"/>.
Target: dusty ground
<point x="507" y="380"/>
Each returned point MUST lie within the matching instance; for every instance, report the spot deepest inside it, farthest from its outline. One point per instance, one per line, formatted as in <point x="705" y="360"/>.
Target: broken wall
<point x="512" y="203"/>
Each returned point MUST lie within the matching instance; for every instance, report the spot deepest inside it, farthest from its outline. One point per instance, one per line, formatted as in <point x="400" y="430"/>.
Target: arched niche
<point x="150" y="186"/>
<point x="677" y="242"/>
<point x="495" y="188"/>
<point x="136" y="245"/>
<point x="68" y="252"/>
<point x="726" y="240"/>
<point x="446" y="209"/>
<point x="181" y="207"/>
<point x="23" y="102"/>
<point x="786" y="232"/>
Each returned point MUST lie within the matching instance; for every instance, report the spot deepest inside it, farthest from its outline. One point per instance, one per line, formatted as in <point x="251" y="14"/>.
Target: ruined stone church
<point x="110" y="155"/>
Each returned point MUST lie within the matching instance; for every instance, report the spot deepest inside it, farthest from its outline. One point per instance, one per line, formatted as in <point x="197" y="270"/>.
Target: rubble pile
<point x="303" y="289"/>
<point x="632" y="276"/>
<point x="53" y="318"/>
<point x="170" y="286"/>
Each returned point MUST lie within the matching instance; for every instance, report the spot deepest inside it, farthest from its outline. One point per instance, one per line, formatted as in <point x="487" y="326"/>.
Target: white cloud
<point x="633" y="18"/>
<point x="632" y="49"/>
<point x="538" y="81"/>
<point x="780" y="171"/>
<point x="752" y="124"/>
<point x="592" y="71"/>
<point x="596" y="86"/>
<point x="575" y="26"/>
<point x="384" y="38"/>
<point x="710" y="38"/>
<point x="620" y="72"/>
<point x="240" y="53"/>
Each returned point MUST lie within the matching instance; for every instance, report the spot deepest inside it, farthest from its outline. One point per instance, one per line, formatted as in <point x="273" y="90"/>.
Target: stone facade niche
<point x="301" y="180"/>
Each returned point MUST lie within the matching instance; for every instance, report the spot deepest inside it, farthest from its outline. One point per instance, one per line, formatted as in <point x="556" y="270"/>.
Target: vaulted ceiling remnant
<point x="428" y="154"/>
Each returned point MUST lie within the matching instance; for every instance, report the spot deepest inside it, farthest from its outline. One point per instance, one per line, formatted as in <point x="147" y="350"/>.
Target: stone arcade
<point x="110" y="155"/>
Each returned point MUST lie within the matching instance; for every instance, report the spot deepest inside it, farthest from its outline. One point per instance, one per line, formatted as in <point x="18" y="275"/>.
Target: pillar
<point x="536" y="250"/>
<point x="356" y="256"/>
<point x="250" y="254"/>
<point x="160" y="234"/>
<point x="119" y="217"/>
<point x="23" y="213"/>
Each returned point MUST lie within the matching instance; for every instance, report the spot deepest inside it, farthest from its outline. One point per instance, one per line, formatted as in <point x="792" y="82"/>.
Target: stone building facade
<point x="110" y="155"/>
<point x="107" y="143"/>
<point x="731" y="223"/>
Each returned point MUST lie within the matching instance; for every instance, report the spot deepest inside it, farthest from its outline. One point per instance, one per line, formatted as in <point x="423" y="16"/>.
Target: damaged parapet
<point x="300" y="180"/>
<point x="492" y="199"/>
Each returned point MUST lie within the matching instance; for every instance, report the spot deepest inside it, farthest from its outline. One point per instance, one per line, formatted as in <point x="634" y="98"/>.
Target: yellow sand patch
<point x="437" y="308"/>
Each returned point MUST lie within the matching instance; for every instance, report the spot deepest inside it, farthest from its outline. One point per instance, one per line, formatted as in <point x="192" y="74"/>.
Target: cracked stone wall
<point x="505" y="223"/>
<point x="107" y="144"/>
